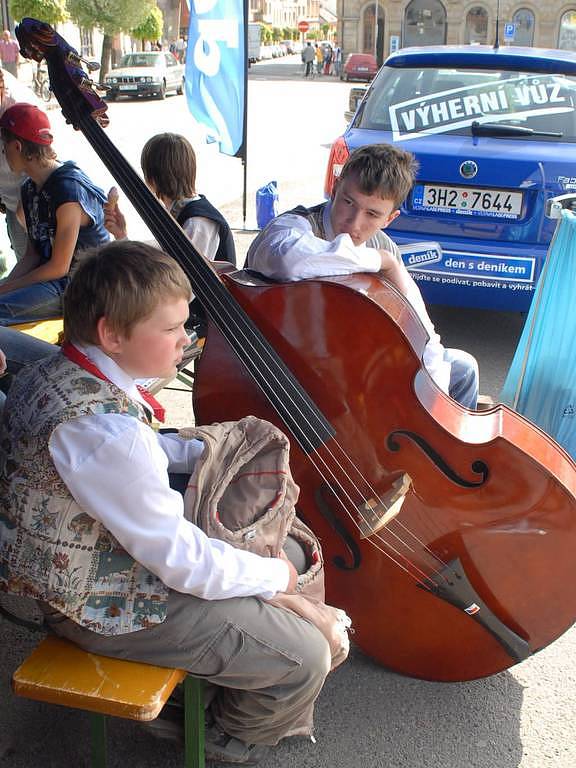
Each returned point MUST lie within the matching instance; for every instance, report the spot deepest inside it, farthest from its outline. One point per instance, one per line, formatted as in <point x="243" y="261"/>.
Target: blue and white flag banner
<point x="215" y="70"/>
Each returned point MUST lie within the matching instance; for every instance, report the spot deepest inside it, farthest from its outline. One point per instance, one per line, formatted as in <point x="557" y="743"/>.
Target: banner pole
<point x="244" y="148"/>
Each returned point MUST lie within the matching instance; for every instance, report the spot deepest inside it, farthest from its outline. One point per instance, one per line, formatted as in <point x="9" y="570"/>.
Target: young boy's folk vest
<point x="50" y="548"/>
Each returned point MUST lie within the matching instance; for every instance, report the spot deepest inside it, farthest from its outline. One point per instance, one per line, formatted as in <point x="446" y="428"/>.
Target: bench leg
<point x="98" y="731"/>
<point x="193" y="723"/>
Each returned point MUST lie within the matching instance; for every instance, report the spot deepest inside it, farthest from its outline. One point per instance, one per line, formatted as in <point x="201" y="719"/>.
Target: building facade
<point x="283" y="13"/>
<point x="383" y="26"/>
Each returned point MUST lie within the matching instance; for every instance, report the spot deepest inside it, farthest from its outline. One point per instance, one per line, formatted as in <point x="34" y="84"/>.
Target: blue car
<point x="494" y="132"/>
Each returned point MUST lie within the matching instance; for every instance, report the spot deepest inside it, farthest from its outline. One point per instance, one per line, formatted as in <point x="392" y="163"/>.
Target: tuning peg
<point x="91" y="66"/>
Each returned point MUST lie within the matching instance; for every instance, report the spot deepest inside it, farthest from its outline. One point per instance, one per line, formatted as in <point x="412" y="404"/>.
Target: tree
<point x="152" y="26"/>
<point x="111" y="16"/>
<point x="50" y="11"/>
<point x="266" y="34"/>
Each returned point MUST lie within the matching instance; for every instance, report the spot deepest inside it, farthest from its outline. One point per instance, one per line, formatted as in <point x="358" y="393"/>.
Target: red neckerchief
<point x="74" y="354"/>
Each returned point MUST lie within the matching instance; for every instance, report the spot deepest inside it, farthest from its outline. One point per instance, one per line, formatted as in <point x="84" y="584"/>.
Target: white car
<point x="146" y="73"/>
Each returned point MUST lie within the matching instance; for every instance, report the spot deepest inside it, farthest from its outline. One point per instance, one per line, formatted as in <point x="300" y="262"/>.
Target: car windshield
<point x="140" y="60"/>
<point x="418" y="102"/>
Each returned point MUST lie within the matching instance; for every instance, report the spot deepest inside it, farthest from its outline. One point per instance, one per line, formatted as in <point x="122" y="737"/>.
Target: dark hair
<point x="30" y="150"/>
<point x="382" y="168"/>
<point x="169" y="163"/>
<point x="123" y="281"/>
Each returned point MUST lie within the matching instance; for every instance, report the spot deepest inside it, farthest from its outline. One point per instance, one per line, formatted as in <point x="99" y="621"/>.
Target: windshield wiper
<point x="498" y="129"/>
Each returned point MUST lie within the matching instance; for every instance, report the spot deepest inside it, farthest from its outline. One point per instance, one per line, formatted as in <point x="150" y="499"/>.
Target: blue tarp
<point x="541" y="382"/>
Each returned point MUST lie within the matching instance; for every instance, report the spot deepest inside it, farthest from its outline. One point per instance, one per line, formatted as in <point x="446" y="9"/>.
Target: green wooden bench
<point x="58" y="672"/>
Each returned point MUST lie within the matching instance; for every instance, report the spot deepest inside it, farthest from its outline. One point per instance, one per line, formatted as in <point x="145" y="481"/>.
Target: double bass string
<point x="151" y="210"/>
<point x="247" y="337"/>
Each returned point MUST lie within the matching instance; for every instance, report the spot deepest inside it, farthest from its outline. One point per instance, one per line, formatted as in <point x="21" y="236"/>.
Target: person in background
<point x="319" y="54"/>
<point x="344" y="236"/>
<point x="11" y="92"/>
<point x="64" y="214"/>
<point x="308" y="56"/>
<point x="168" y="163"/>
<point x="9" y="53"/>
<point x="327" y="59"/>
<point x="181" y="50"/>
<point x="117" y="567"/>
<point x="337" y="60"/>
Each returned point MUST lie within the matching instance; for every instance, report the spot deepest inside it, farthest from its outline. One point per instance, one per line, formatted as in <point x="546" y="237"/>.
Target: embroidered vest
<point x="50" y="548"/>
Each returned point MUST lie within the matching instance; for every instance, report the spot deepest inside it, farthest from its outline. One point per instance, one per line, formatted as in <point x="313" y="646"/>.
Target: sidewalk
<point x="26" y="69"/>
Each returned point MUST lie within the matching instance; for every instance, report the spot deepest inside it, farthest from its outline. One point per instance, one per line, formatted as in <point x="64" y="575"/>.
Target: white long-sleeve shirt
<point x="116" y="468"/>
<point x="287" y="250"/>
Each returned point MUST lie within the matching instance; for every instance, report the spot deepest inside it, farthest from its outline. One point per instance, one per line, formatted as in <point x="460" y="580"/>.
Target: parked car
<point x="494" y="133"/>
<point x="359" y="66"/>
<point x="357" y="93"/>
<point x="146" y="73"/>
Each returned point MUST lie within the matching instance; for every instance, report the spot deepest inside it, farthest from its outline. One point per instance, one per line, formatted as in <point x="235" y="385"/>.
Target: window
<point x="476" y="30"/>
<point x="424" y="23"/>
<point x="413" y="102"/>
<point x="524" y="27"/>
<point x="373" y="38"/>
<point x="567" y="35"/>
<point x="86" y="43"/>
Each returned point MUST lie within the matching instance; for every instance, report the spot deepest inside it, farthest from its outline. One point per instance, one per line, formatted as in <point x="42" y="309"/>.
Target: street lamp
<point x="376" y="29"/>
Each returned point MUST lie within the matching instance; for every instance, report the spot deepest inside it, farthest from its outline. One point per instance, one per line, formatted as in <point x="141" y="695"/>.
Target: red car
<point x="359" y="66"/>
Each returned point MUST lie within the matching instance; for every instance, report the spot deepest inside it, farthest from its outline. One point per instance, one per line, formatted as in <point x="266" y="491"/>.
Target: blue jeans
<point x="21" y="348"/>
<point x="463" y="385"/>
<point x="41" y="301"/>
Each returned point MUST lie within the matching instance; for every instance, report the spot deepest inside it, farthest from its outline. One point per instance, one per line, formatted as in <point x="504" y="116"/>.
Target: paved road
<point x="366" y="715"/>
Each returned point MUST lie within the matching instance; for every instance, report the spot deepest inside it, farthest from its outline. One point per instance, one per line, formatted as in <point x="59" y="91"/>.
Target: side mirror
<point x="554" y="205"/>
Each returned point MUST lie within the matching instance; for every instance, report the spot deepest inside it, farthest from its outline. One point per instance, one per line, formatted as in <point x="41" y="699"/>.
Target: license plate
<point x="362" y="69"/>
<point x="467" y="201"/>
<point x="129" y="87"/>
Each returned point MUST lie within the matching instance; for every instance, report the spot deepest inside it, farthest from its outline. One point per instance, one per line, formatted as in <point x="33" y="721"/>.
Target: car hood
<point x="135" y="72"/>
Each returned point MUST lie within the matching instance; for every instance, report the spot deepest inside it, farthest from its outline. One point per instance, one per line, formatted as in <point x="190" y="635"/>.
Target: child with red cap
<point x="63" y="211"/>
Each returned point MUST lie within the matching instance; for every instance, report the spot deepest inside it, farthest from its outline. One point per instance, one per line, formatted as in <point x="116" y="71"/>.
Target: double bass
<point x="449" y="536"/>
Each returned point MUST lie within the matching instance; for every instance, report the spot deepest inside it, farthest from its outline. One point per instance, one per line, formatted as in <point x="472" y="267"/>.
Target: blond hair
<point x="123" y="281"/>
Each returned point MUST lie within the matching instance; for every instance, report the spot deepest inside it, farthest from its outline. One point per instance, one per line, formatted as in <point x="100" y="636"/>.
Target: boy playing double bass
<point x="344" y="236"/>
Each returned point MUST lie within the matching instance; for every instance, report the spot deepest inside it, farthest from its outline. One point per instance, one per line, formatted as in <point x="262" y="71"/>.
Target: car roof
<point x="486" y="57"/>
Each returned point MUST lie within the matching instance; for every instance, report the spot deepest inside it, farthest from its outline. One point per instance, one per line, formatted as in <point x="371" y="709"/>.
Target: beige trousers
<point x="269" y="664"/>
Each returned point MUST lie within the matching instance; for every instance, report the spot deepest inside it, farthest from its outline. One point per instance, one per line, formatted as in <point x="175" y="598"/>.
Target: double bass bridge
<point x="375" y="514"/>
